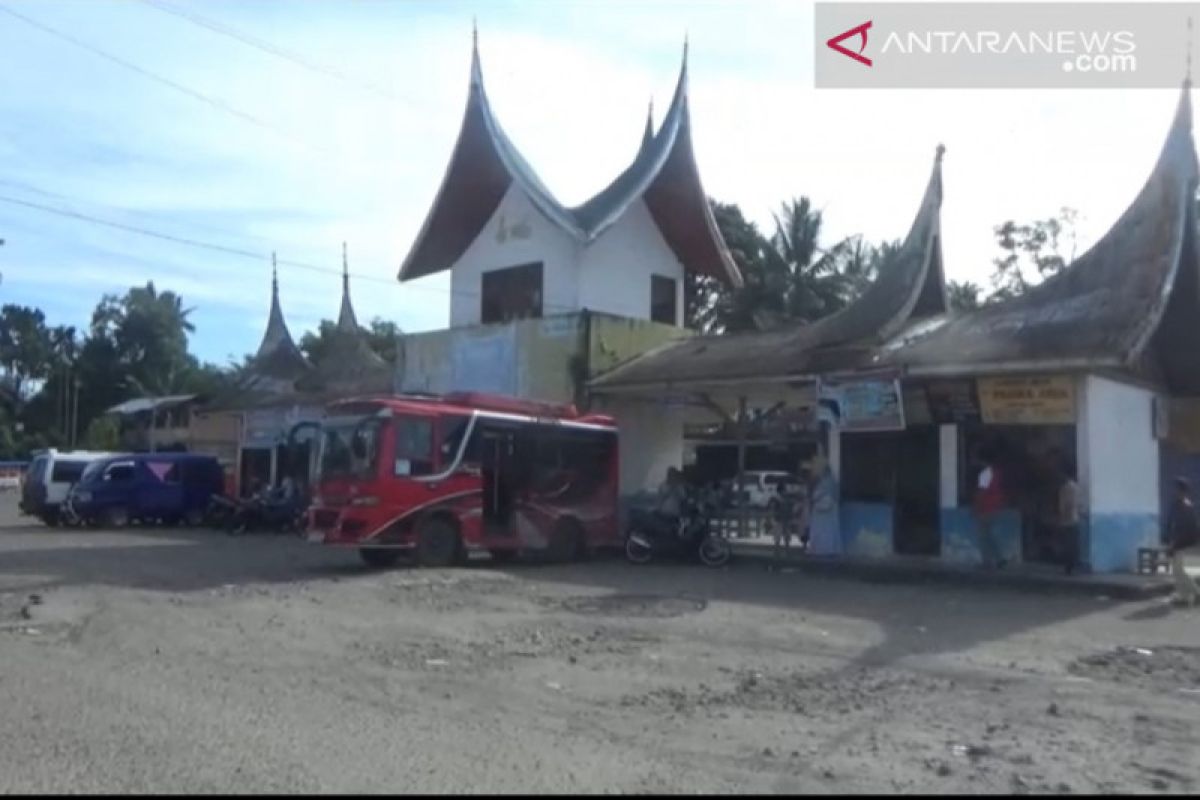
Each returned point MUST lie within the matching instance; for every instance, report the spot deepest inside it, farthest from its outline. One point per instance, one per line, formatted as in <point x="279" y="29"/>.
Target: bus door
<point x="499" y="469"/>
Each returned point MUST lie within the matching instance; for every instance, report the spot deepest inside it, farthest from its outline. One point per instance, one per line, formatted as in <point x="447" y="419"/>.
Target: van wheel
<point x="567" y="542"/>
<point x="51" y="518"/>
<point x="194" y="518"/>
<point x="116" y="517"/>
<point x="438" y="544"/>
<point x="379" y="557"/>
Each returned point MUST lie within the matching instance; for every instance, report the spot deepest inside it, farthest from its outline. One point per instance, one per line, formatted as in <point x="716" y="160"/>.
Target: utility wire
<point x="234" y="251"/>
<point x="217" y="103"/>
<point x="269" y="48"/>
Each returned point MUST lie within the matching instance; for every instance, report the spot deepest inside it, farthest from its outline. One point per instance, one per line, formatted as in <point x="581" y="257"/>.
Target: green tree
<point x="26" y="347"/>
<point x="789" y="277"/>
<point x="1032" y="252"/>
<point x="381" y="335"/>
<point x="709" y="305"/>
<point x="964" y="296"/>
<point x="103" y="433"/>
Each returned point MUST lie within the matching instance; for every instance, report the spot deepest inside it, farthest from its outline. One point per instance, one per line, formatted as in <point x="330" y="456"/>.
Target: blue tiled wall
<point x="1114" y="538"/>
<point x="960" y="540"/>
<point x="867" y="530"/>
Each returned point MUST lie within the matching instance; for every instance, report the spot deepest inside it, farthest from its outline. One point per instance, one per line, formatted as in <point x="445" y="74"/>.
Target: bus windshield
<point x="350" y="447"/>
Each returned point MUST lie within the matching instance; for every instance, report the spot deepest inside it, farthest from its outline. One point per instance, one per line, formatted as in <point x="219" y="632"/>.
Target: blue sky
<point x="327" y="160"/>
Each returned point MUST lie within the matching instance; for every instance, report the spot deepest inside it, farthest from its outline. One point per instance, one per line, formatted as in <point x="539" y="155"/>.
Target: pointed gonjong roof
<point x="275" y="368"/>
<point x="349" y="365"/>
<point x="485" y="163"/>
<point x="278" y="359"/>
<point x="1130" y="303"/>
<point x="909" y="286"/>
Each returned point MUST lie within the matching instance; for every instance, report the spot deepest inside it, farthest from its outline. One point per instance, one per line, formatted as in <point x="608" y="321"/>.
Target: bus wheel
<point x="567" y="543"/>
<point x="379" y="557"/>
<point x="438" y="544"/>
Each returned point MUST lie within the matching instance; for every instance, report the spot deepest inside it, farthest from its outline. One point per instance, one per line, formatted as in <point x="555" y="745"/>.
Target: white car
<point x="764" y="487"/>
<point x="49" y="478"/>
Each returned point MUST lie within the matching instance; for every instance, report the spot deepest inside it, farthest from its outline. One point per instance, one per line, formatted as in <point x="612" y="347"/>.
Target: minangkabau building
<point x="1096" y="369"/>
<point x="280" y="390"/>
<point x="545" y="297"/>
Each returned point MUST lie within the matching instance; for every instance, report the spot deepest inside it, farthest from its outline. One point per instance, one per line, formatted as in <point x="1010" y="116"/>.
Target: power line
<point x="214" y="102"/>
<point x="234" y="251"/>
<point x="269" y="48"/>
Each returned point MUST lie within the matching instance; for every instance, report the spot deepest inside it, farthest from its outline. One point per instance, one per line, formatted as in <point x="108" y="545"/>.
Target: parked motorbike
<point x="268" y="515"/>
<point x="689" y="538"/>
<point x="220" y="512"/>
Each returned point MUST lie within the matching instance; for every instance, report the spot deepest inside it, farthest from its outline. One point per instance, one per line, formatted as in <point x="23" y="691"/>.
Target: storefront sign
<point x="1027" y="400"/>
<point x="953" y="402"/>
<point x="864" y="405"/>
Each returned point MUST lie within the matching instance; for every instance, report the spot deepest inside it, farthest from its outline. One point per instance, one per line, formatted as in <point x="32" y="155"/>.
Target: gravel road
<point x="147" y="661"/>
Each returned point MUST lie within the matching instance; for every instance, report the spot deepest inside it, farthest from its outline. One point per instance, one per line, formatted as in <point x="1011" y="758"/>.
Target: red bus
<point x="443" y="476"/>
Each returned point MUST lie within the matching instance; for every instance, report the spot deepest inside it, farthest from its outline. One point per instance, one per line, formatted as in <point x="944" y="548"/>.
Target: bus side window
<point x="452" y="429"/>
<point x="414" y="446"/>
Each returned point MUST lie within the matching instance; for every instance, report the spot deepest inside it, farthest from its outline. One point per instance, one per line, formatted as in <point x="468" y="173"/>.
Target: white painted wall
<point x="651" y="441"/>
<point x="1118" y="454"/>
<point x="615" y="269"/>
<point x="611" y="274"/>
<point x="516" y="234"/>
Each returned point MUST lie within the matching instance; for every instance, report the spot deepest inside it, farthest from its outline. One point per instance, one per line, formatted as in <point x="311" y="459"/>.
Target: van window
<point x="119" y="473"/>
<point x="67" y="471"/>
<point x="37" y="470"/>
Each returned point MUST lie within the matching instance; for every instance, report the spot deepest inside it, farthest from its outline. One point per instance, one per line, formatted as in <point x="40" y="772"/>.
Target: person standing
<point x="1067" y="527"/>
<point x="825" y="529"/>
<point x="989" y="500"/>
<point x="1183" y="533"/>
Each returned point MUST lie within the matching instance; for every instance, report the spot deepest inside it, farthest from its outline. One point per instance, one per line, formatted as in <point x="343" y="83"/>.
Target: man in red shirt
<point x="988" y="502"/>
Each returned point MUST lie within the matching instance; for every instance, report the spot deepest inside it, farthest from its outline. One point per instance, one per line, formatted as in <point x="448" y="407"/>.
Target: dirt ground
<point x="146" y="660"/>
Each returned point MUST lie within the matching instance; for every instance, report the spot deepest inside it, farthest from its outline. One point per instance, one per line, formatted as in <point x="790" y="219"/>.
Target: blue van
<point x="147" y="487"/>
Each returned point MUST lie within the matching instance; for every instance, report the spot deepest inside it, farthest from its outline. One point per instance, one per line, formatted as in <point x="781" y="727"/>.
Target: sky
<point x="198" y="135"/>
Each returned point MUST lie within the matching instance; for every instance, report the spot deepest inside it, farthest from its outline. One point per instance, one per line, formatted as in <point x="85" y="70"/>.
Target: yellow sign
<point x="1041" y="400"/>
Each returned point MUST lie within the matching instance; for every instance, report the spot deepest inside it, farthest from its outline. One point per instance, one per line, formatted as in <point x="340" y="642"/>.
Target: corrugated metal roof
<point x="143" y="404"/>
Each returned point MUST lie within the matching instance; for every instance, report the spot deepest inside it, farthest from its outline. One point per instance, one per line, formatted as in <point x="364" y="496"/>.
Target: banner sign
<point x="1035" y="400"/>
<point x="864" y="405"/>
<point x="953" y="402"/>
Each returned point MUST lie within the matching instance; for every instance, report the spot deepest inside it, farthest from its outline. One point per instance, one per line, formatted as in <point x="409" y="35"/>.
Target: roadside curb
<point x="1122" y="587"/>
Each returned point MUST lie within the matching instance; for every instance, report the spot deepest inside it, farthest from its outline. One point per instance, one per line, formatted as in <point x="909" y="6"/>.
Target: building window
<point x="662" y="300"/>
<point x="512" y="293"/>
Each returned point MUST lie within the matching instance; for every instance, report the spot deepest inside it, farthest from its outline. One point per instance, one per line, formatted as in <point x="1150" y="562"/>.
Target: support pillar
<point x="743" y="507"/>
<point x="948" y="466"/>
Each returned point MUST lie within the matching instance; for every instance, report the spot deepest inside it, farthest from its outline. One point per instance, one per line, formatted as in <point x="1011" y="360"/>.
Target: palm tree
<point x="805" y="281"/>
<point x="963" y="296"/>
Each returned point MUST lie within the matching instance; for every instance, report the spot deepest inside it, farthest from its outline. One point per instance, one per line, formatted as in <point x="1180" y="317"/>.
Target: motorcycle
<point x="265" y="514"/>
<point x="220" y="512"/>
<point x="689" y="537"/>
